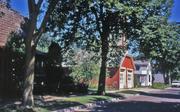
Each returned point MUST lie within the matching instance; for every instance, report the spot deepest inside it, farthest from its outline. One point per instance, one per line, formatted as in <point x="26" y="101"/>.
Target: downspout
<point x="119" y="76"/>
<point x="126" y="79"/>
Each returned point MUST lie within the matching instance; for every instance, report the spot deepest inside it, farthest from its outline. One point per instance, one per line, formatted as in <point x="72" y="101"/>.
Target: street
<point x="167" y="100"/>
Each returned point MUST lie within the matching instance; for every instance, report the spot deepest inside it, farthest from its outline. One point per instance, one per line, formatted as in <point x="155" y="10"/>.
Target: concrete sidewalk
<point x="135" y="89"/>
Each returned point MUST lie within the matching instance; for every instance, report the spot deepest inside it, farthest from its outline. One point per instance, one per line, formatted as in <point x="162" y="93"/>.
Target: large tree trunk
<point x="102" y="76"/>
<point x="104" y="52"/>
<point x="28" y="99"/>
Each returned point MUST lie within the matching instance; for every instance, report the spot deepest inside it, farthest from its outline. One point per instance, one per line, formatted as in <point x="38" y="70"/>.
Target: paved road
<point x="167" y="100"/>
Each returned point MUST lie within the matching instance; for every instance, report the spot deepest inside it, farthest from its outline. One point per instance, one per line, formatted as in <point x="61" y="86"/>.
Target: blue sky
<point x="21" y="6"/>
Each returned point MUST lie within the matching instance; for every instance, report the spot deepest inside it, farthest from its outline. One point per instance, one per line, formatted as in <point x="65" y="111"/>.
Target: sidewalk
<point x="135" y="89"/>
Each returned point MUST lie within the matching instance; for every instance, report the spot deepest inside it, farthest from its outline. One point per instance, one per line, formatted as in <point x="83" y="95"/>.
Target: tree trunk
<point x="102" y="76"/>
<point x="28" y="99"/>
<point x="165" y="77"/>
<point x="169" y="78"/>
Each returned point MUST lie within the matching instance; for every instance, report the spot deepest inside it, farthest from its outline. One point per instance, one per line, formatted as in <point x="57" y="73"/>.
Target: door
<point x="130" y="78"/>
<point x="143" y="80"/>
<point x="122" y="78"/>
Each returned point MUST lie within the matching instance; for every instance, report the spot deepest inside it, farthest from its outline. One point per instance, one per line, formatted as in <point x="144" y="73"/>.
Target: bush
<point x="69" y="86"/>
<point x="159" y="86"/>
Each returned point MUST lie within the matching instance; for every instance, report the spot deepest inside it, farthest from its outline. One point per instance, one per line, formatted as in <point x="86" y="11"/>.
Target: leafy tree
<point x="85" y="68"/>
<point x="33" y="34"/>
<point x="55" y="16"/>
<point x="105" y="18"/>
<point x="158" y="38"/>
<point x="44" y="42"/>
<point x="16" y="42"/>
<point x="13" y="80"/>
<point x="62" y="26"/>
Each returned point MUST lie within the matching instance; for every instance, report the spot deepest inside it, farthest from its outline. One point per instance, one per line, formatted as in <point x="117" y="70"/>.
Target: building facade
<point x="122" y="76"/>
<point x="10" y="21"/>
<point x="143" y="72"/>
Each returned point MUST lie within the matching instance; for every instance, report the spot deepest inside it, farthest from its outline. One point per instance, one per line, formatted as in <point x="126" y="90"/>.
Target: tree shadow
<point x="161" y="95"/>
<point x="129" y="92"/>
<point x="56" y="104"/>
<point x="115" y="95"/>
<point x="62" y="104"/>
<point x="138" y="106"/>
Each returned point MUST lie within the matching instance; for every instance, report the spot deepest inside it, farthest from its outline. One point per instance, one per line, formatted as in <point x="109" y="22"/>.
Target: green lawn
<point x="87" y="98"/>
<point x="71" y="101"/>
<point x="159" y="86"/>
<point x="60" y="103"/>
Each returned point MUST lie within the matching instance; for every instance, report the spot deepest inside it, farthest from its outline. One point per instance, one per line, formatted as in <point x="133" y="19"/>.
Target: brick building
<point x="10" y="21"/>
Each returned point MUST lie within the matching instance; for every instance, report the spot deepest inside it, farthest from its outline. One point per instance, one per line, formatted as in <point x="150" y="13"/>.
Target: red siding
<point x="113" y="82"/>
<point x="128" y="63"/>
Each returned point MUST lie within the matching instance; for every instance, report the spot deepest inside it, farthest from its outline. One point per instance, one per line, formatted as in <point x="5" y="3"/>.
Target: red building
<point x="122" y="76"/>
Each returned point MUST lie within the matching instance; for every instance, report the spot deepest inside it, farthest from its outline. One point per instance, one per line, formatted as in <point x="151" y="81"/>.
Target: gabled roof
<point x="141" y="62"/>
<point x="9" y="21"/>
<point x="127" y="58"/>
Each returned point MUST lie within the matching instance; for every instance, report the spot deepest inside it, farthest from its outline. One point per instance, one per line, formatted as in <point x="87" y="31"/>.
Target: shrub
<point x="159" y="86"/>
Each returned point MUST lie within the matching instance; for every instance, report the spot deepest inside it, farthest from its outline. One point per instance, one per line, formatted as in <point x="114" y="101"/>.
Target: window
<point x="122" y="70"/>
<point x="121" y="76"/>
<point x="137" y="67"/>
<point x="129" y="76"/>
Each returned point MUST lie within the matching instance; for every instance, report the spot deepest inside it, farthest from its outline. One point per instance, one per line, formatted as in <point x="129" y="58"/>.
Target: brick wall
<point x="9" y="21"/>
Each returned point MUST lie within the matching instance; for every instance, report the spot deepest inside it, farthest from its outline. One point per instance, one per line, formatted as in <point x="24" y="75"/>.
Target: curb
<point x="81" y="108"/>
<point x="88" y="105"/>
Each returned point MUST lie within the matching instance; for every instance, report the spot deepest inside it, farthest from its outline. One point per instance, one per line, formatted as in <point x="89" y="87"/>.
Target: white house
<point x="143" y="72"/>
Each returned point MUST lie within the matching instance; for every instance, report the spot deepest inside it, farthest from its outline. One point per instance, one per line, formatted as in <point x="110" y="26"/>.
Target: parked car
<point x="175" y="84"/>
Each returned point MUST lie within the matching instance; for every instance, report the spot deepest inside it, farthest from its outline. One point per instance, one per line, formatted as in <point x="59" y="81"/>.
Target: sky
<point x="21" y="7"/>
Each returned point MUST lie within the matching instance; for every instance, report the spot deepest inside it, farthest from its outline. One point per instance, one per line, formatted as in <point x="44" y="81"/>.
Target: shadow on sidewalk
<point x="138" y="106"/>
<point x="160" y="95"/>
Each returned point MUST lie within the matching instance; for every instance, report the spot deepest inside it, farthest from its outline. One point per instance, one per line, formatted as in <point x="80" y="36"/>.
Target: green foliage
<point x="63" y="23"/>
<point x="158" y="39"/>
<point x="159" y="86"/>
<point x="136" y="82"/>
<point x="44" y="42"/>
<point x="16" y="42"/>
<point x="15" y="61"/>
<point x="85" y="69"/>
<point x="84" y="72"/>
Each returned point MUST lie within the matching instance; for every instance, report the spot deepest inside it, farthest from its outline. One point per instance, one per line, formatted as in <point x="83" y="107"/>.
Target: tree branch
<point x="97" y="21"/>
<point x="51" y="7"/>
<point x="31" y="6"/>
<point x="39" y="4"/>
